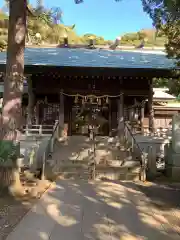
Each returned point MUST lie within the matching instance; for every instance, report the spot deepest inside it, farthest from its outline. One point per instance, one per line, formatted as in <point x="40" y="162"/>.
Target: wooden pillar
<point x="150" y="107"/>
<point x="31" y="98"/>
<point x="61" y="114"/>
<point x="131" y="114"/>
<point x="37" y="113"/>
<point x="70" y="121"/>
<point x="110" y="118"/>
<point x="142" y="118"/>
<point x="61" y="110"/>
<point x="121" y="116"/>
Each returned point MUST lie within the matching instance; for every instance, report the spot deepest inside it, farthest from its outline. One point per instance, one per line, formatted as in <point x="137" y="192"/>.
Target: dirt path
<point x="101" y="210"/>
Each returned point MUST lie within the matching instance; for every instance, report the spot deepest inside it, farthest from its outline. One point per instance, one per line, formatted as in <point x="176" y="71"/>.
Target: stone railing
<point x="38" y="130"/>
<point x="158" y="132"/>
<point x="153" y="147"/>
<point x="41" y="153"/>
<point x="136" y="148"/>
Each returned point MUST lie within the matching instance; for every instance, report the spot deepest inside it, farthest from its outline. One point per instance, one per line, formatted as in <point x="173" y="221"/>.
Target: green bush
<point x="9" y="151"/>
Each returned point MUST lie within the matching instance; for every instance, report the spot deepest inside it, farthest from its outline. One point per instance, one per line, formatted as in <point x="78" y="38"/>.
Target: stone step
<point x="129" y="171"/>
<point x="34" y="137"/>
<point x="73" y="175"/>
<point x="72" y="162"/>
<point x="78" y="146"/>
<point x="112" y="148"/>
<point x="106" y="162"/>
<point x="73" y="172"/>
<point x="73" y="167"/>
<point x="117" y="176"/>
<point x="106" y="175"/>
<point x="118" y="173"/>
<point x="114" y="161"/>
<point x="84" y="154"/>
<point x="120" y="163"/>
<point x="126" y="167"/>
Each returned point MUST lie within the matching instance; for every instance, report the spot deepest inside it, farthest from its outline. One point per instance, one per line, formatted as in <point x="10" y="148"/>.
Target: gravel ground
<point x="12" y="210"/>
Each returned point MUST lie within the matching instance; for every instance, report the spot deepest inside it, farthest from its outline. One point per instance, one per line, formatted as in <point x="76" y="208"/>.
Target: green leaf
<point x="8" y="151"/>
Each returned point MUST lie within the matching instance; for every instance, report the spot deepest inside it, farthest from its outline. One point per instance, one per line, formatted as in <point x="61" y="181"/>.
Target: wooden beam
<point x="31" y="102"/>
<point x="165" y="112"/>
<point x="121" y="116"/>
<point x="95" y="71"/>
<point x="134" y="92"/>
<point x="127" y="92"/>
<point x="61" y="113"/>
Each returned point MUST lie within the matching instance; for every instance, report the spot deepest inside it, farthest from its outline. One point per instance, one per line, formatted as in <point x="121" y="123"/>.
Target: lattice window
<point x="50" y="113"/>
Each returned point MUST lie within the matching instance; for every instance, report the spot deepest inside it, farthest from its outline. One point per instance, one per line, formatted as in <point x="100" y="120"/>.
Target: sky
<point x="106" y="18"/>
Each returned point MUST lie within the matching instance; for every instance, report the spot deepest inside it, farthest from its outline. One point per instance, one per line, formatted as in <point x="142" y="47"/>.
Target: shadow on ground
<point x="164" y="196"/>
<point x="100" y="211"/>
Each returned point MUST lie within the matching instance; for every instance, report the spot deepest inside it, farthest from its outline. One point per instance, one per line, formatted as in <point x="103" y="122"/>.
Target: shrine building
<point x="119" y="93"/>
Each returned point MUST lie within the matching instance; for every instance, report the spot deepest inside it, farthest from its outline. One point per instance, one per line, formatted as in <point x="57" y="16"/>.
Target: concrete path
<point x="76" y="210"/>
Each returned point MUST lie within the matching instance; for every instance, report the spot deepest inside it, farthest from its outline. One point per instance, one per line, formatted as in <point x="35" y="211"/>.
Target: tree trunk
<point x="5" y="177"/>
<point x="13" y="82"/>
<point x="10" y="180"/>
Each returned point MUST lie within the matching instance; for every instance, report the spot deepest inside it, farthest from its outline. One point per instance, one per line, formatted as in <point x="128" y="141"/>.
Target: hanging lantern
<point x="91" y="100"/>
<point x="99" y="101"/>
<point x="135" y="101"/>
<point x="107" y="100"/>
<point x="45" y="100"/>
<point x="76" y="99"/>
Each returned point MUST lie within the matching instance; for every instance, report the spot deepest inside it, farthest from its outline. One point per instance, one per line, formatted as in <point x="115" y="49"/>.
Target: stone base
<point x="173" y="173"/>
<point x="173" y="159"/>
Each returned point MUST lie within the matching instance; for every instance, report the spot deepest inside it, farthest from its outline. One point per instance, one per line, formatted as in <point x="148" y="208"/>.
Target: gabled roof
<point x="60" y="57"/>
<point x="160" y="94"/>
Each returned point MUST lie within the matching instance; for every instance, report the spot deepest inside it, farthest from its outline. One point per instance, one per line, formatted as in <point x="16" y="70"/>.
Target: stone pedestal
<point x="172" y="161"/>
<point x="176" y="133"/>
<point x="152" y="169"/>
<point x="173" y="173"/>
<point x="131" y="114"/>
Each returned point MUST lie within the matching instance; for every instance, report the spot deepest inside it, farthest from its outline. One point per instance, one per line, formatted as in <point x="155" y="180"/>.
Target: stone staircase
<point x="27" y="145"/>
<point x="77" y="158"/>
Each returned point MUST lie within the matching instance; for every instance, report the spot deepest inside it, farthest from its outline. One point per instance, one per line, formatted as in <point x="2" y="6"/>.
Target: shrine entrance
<point x="47" y="108"/>
<point x="48" y="113"/>
<point x="88" y="115"/>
